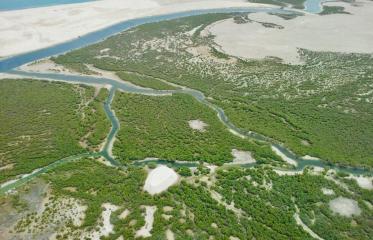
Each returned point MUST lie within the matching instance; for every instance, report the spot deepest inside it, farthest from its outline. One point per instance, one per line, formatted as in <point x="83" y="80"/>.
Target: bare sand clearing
<point x="242" y="157"/>
<point x="160" y="179"/>
<point x="198" y="125"/>
<point x="145" y="230"/>
<point x="124" y="214"/>
<point x="335" y="33"/>
<point x="30" y="29"/>
<point x="105" y="228"/>
<point x="287" y="173"/>
<point x="327" y="191"/>
<point x="308" y="157"/>
<point x="363" y="182"/>
<point x="45" y="65"/>
<point x="169" y="235"/>
<point x="344" y="206"/>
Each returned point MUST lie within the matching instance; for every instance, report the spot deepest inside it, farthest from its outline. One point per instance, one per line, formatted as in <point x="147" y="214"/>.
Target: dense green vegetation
<point x="312" y="108"/>
<point x="42" y="122"/>
<point x="144" y="81"/>
<point x="333" y="10"/>
<point x="264" y="204"/>
<point x="158" y="127"/>
<point x="272" y="208"/>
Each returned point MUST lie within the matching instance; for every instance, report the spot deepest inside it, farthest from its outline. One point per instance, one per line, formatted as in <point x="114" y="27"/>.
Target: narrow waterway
<point x="6" y="65"/>
<point x="107" y="149"/>
<point x="301" y="162"/>
<point x="97" y="36"/>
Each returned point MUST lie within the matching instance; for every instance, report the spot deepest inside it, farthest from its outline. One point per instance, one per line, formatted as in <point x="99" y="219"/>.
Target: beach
<point x="35" y="28"/>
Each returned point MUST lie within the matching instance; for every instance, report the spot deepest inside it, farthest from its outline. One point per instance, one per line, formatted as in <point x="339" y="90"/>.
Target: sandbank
<point x="35" y="28"/>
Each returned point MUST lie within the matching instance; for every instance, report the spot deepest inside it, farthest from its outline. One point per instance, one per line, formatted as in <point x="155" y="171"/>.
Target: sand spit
<point x="242" y="157"/>
<point x="283" y="156"/>
<point x="348" y="33"/>
<point x="160" y="179"/>
<point x="46" y="66"/>
<point x="31" y="29"/>
<point x="345" y="207"/>
<point x="299" y="221"/>
<point x="149" y="220"/>
<point x="198" y="125"/>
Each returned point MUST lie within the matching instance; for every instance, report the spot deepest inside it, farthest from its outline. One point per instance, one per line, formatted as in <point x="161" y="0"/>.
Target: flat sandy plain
<point x="31" y="29"/>
<point x="349" y="33"/>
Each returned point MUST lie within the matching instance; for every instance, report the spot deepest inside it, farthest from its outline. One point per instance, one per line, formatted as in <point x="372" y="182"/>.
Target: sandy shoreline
<point x="347" y="33"/>
<point x="31" y="29"/>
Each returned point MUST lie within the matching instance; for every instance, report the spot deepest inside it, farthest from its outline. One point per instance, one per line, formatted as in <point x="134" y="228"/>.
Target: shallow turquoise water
<point x="313" y="6"/>
<point x="6" y="5"/>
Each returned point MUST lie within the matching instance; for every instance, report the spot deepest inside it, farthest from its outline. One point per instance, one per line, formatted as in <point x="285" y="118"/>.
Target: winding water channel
<point x="8" y="65"/>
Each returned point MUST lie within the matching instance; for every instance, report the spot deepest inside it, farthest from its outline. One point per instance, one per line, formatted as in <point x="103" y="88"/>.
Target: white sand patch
<point x="124" y="214"/>
<point x="104" y="73"/>
<point x="7" y="167"/>
<point x="30" y="29"/>
<point x="219" y="198"/>
<point x="237" y="134"/>
<point x="242" y="157"/>
<point x="167" y="209"/>
<point x="336" y="33"/>
<point x="233" y="238"/>
<point x="315" y="170"/>
<point x="45" y="65"/>
<point x="344" y="206"/>
<point x="106" y="227"/>
<point x="160" y="179"/>
<point x="308" y="157"/>
<point x="211" y="167"/>
<point x="149" y="220"/>
<point x="169" y="235"/>
<point x="368" y="204"/>
<point x="10" y="76"/>
<point x="76" y="213"/>
<point x="53" y="214"/>
<point x="287" y="173"/>
<point x="8" y="183"/>
<point x="197" y="125"/>
<point x="363" y="182"/>
<point x="191" y="32"/>
<point x="283" y="156"/>
<point x="327" y="191"/>
<point x="104" y="50"/>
